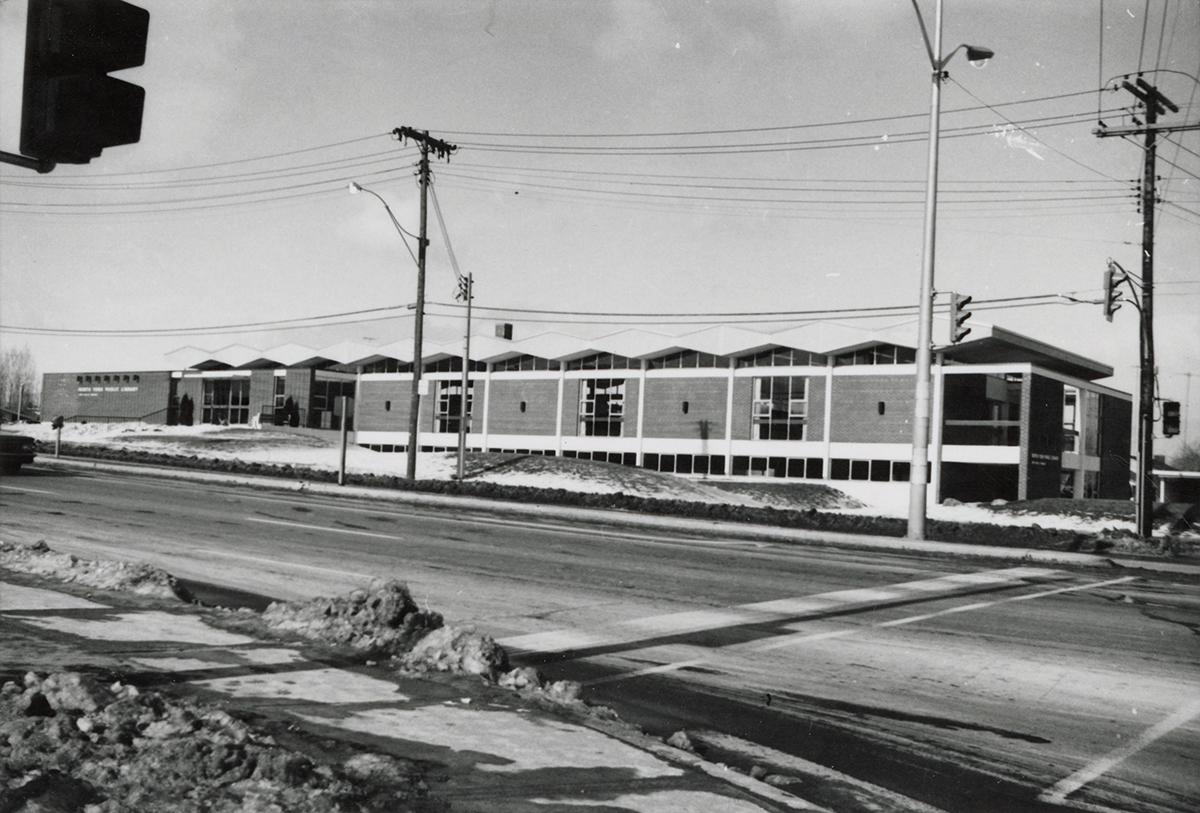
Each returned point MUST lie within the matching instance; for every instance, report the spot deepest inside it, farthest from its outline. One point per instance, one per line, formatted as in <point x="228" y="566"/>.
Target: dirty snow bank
<point x="68" y="742"/>
<point x="135" y="577"/>
<point x="382" y="619"/>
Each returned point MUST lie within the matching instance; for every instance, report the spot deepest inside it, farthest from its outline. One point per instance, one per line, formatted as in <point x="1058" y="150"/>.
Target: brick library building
<point x="1012" y="417"/>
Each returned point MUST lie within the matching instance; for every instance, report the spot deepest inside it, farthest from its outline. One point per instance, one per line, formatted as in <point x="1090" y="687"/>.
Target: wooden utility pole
<point x="1154" y="103"/>
<point x="443" y="150"/>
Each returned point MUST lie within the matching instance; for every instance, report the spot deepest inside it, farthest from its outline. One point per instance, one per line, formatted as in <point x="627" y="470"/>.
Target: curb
<point x="612" y="517"/>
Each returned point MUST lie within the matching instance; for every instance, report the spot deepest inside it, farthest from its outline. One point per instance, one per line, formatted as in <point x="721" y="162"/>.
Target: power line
<point x="746" y="130"/>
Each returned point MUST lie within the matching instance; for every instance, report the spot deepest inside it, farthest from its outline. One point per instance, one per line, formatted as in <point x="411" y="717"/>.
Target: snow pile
<point x="382" y="619"/>
<point x="459" y="650"/>
<point x="133" y="577"/>
<point x="68" y="742"/>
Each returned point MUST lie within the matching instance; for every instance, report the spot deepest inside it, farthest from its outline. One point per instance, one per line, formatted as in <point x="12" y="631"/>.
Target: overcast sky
<point x="617" y="157"/>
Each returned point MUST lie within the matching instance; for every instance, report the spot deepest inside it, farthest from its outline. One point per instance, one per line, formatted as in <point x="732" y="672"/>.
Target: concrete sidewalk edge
<point x="616" y="517"/>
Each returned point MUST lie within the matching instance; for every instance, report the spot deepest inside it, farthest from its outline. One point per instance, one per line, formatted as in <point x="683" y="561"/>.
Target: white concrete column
<point x="558" y="412"/>
<point x="936" y="426"/>
<point x="641" y="410"/>
<point x="827" y="454"/>
<point x="729" y="418"/>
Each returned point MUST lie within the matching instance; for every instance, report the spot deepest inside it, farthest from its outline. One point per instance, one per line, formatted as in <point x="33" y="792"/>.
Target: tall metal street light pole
<point x="919" y="470"/>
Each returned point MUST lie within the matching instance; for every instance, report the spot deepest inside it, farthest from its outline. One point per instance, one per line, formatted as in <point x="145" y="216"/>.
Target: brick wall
<point x="664" y="407"/>
<point x="570" y="410"/>
<point x="298" y="385"/>
<point x="816" y="408"/>
<point x="262" y="390"/>
<point x="743" y="403"/>
<point x="1116" y="429"/>
<point x="383" y="406"/>
<point x="1042" y="437"/>
<point x="504" y="407"/>
<point x="855" y="406"/>
<point x="121" y="396"/>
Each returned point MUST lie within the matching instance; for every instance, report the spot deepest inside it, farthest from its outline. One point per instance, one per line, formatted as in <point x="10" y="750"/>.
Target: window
<point x="601" y="407"/>
<point x="522" y="406"/>
<point x="684" y="360"/>
<point x="387" y="406"/>
<point x="448" y="413"/>
<point x="604" y="361"/>
<point x="453" y="364"/>
<point x="525" y="362"/>
<point x="877" y="354"/>
<point x="280" y="383"/>
<point x="387" y="366"/>
<point x="1069" y="420"/>
<point x="982" y="410"/>
<point x="226" y="401"/>
<point x="782" y="357"/>
<point x="780" y="408"/>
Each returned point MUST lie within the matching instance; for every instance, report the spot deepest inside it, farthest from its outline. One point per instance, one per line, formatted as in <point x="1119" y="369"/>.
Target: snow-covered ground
<point x="279" y="447"/>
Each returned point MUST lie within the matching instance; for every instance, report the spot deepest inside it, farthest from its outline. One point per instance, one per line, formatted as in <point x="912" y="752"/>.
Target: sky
<point x="614" y="158"/>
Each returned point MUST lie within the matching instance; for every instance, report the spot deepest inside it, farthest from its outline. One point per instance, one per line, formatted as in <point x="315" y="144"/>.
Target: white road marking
<point x="29" y="490"/>
<point x="327" y="529"/>
<point x="1064" y="788"/>
<point x="767" y="611"/>
<point x="407" y="510"/>
<point x="793" y="640"/>
<point x="281" y="563"/>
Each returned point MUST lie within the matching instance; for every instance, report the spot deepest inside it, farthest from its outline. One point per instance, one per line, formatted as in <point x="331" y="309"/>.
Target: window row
<point x="877" y="354"/>
<point x="878" y="471"/>
<point x="107" y="379"/>
<point x="684" y="463"/>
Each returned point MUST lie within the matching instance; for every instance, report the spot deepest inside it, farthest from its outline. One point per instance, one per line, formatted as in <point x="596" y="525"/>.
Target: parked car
<point x="14" y="450"/>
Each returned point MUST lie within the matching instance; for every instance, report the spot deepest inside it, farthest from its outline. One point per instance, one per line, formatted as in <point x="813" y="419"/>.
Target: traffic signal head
<point x="71" y="109"/>
<point x="958" y="315"/>
<point x="1112" y="295"/>
<point x="1170" y="418"/>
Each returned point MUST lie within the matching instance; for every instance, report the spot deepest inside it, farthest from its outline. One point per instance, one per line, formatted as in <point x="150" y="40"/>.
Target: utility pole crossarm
<point x="1113" y="132"/>
<point x="442" y="149"/>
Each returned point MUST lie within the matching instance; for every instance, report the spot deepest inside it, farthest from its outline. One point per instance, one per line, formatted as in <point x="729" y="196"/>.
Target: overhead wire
<point x="401" y="311"/>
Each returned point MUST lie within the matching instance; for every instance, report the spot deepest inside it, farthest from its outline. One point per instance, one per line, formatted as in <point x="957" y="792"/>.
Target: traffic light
<point x="1170" y="419"/>
<point x="1112" y="296"/>
<point x="71" y="109"/>
<point x="959" y="315"/>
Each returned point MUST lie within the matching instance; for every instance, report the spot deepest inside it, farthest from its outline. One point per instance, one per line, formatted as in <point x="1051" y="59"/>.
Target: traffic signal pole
<point x="1154" y="103"/>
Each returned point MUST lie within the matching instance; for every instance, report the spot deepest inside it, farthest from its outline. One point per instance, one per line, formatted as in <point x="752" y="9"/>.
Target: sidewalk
<point x="733" y="530"/>
<point x="483" y="748"/>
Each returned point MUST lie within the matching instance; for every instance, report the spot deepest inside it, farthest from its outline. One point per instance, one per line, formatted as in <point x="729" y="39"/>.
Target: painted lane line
<point x="280" y="563"/>
<point x="326" y="529"/>
<point x="29" y="490"/>
<point x="690" y="621"/>
<point x="1064" y="788"/>
<point x="794" y="640"/>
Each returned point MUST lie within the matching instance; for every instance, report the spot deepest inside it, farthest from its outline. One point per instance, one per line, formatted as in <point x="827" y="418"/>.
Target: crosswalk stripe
<point x="690" y="621"/>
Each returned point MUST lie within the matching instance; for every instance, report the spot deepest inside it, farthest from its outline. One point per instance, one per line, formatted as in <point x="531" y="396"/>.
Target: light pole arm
<point x="933" y="60"/>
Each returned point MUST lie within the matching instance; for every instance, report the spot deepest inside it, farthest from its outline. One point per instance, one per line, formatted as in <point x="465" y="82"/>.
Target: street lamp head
<point x="354" y="188"/>
<point x="977" y="55"/>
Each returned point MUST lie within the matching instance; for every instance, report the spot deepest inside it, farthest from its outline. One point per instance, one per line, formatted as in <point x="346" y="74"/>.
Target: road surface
<point x="963" y="684"/>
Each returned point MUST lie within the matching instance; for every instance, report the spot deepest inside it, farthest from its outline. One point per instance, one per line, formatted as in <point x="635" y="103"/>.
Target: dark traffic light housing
<point x="1170" y="419"/>
<point x="71" y="109"/>
<point x="958" y="316"/>
<point x="1112" y="295"/>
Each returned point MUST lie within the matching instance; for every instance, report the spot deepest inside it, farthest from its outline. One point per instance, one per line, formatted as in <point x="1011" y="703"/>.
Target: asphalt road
<point x="964" y="684"/>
